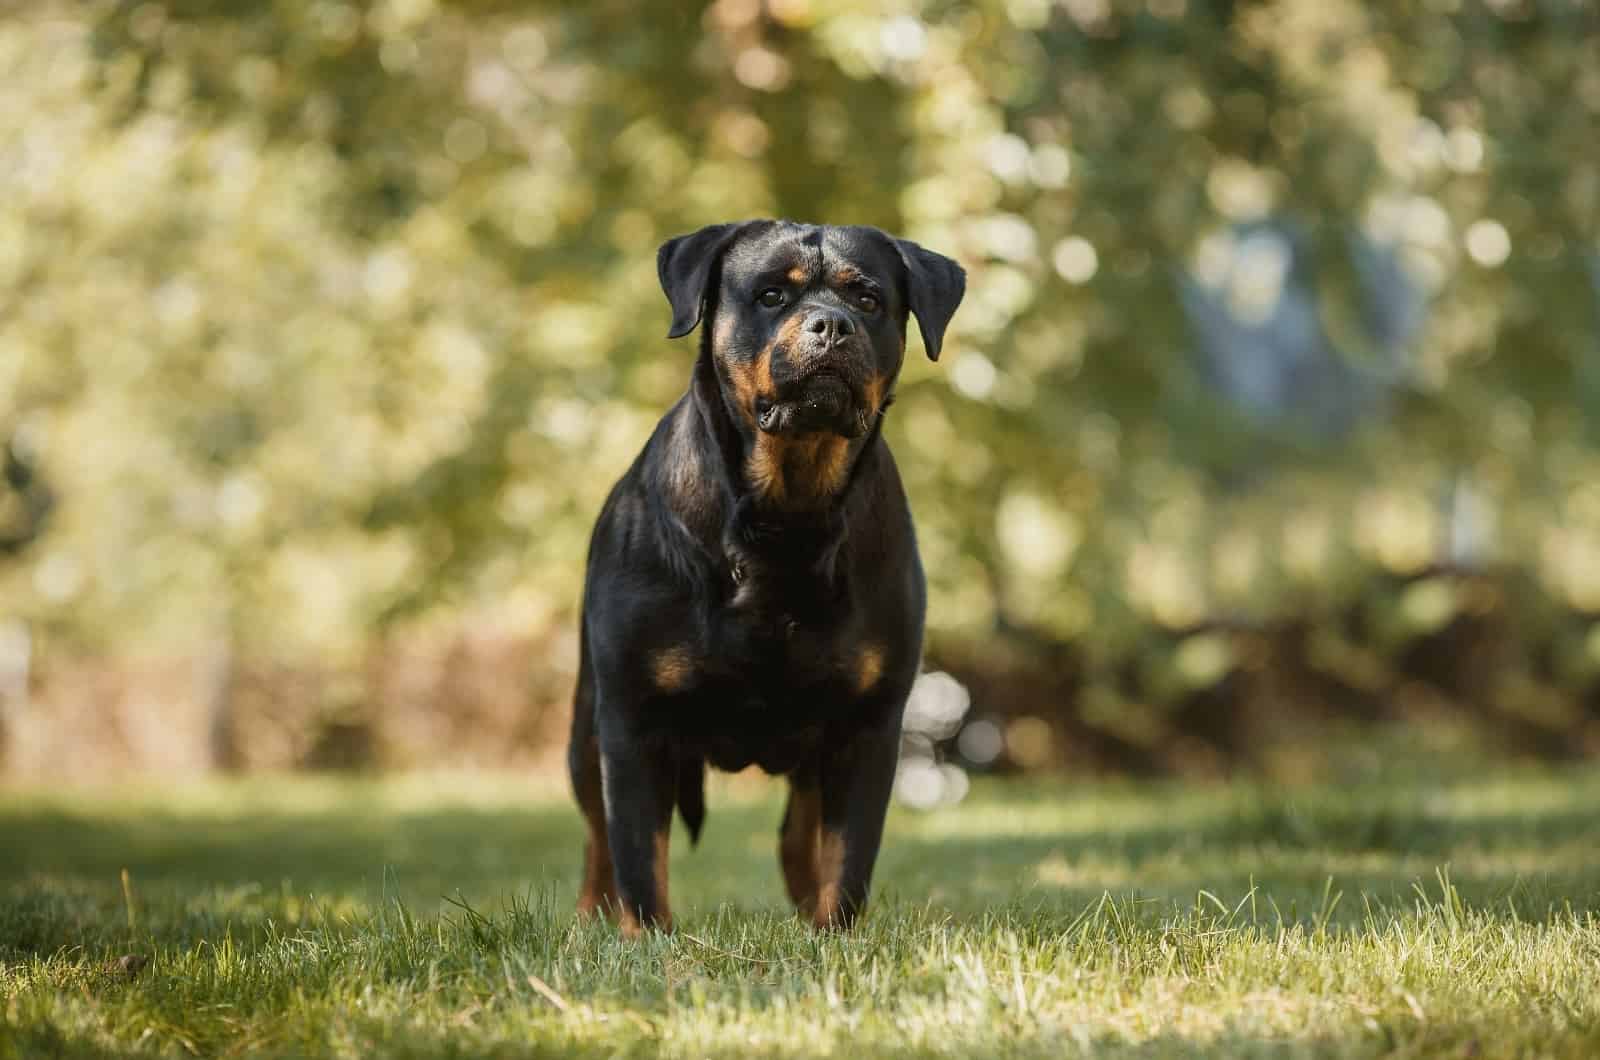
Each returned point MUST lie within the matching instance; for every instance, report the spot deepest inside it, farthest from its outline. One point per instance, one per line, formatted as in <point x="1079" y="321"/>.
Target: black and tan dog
<point x="754" y="594"/>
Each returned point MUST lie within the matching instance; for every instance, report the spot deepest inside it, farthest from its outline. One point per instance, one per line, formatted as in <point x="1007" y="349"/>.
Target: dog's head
<point x="807" y="323"/>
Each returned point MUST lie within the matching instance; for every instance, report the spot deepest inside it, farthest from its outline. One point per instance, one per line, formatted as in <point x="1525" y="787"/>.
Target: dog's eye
<point x="771" y="298"/>
<point x="867" y="302"/>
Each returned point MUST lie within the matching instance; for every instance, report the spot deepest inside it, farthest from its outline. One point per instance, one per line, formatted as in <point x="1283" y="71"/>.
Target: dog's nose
<point x="830" y="325"/>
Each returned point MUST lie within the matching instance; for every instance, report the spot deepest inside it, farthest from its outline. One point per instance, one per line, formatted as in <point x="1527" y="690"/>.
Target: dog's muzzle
<point x="823" y="401"/>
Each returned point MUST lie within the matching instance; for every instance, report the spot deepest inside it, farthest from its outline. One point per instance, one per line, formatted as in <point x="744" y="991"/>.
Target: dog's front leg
<point x="856" y="782"/>
<point x="638" y="780"/>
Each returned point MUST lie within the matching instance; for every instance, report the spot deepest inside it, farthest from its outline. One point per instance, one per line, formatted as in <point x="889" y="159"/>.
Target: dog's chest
<point x="776" y="649"/>
<point x="773" y="682"/>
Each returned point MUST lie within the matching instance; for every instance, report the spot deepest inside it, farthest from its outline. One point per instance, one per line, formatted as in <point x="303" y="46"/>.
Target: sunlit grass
<point x="430" y="916"/>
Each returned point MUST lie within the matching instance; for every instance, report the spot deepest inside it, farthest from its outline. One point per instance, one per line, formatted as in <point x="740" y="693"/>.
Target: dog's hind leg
<point x="598" y="893"/>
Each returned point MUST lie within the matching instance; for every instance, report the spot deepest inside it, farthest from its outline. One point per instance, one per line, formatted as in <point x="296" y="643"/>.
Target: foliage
<point x="316" y="316"/>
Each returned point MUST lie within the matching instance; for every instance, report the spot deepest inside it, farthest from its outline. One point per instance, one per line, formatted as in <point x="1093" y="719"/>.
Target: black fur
<point x="734" y="614"/>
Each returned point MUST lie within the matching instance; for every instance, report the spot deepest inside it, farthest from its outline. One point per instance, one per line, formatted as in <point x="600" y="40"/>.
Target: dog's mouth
<point x="820" y="401"/>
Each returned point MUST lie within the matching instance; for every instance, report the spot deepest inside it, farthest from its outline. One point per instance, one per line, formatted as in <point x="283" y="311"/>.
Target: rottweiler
<point x="753" y="593"/>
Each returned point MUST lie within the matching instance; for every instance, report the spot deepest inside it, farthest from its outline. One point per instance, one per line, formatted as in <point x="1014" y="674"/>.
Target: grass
<point x="1395" y="914"/>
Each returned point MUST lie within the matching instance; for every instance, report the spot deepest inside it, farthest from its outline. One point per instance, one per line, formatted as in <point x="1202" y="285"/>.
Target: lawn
<point x="1392" y="913"/>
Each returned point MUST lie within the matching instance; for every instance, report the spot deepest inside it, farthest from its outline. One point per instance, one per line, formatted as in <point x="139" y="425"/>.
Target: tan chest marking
<point x="869" y="667"/>
<point x="795" y="471"/>
<point x="672" y="669"/>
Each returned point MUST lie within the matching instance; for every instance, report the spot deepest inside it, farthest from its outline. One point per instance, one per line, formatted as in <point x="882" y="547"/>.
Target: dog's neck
<point x="754" y="506"/>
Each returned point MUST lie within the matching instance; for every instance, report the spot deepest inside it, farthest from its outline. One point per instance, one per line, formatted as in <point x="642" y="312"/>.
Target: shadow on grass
<point x="196" y="877"/>
<point x="253" y="864"/>
<point x="331" y="854"/>
<point x="1530" y="866"/>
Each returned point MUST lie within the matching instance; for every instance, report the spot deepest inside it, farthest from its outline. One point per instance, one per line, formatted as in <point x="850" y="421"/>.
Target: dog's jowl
<point x="753" y="593"/>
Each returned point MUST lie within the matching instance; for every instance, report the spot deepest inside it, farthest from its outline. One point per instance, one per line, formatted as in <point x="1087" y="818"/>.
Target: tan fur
<point x="797" y="847"/>
<point x="875" y="388"/>
<point x="799" y="274"/>
<point x="787" y="471"/>
<point x="672" y="668"/>
<point x="830" y="869"/>
<point x="742" y="376"/>
<point x="764" y="387"/>
<point x="598" y="895"/>
<point x="764" y="468"/>
<point x="869" y="667"/>
<point x="754" y="380"/>
<point x="663" y="905"/>
<point x="797" y="471"/>
<point x="631" y="927"/>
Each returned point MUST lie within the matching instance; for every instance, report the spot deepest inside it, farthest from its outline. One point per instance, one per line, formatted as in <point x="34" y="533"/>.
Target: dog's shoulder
<point x="683" y="470"/>
<point x="663" y="517"/>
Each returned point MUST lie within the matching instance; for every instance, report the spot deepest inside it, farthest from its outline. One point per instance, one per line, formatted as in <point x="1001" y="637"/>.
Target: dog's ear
<point x="934" y="285"/>
<point x="684" y="265"/>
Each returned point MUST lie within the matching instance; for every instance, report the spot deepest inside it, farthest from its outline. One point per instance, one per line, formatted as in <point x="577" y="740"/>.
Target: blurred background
<point x="1268" y="425"/>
